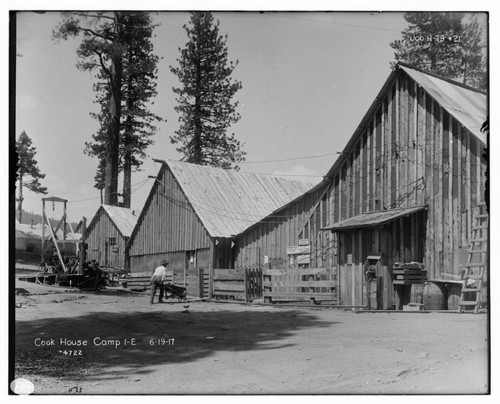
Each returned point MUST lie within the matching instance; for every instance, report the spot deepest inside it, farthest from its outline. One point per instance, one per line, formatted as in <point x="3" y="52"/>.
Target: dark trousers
<point x="157" y="283"/>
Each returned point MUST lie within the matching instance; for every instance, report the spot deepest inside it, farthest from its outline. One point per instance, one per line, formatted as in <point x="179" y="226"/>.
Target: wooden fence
<point x="247" y="284"/>
<point x="204" y="278"/>
<point x="141" y="281"/>
<point x="313" y="284"/>
<point x="243" y="284"/>
<point x="253" y="283"/>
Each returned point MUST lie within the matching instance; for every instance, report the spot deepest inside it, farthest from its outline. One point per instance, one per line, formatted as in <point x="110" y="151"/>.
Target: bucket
<point x="454" y="292"/>
<point x="417" y="293"/>
<point x="434" y="297"/>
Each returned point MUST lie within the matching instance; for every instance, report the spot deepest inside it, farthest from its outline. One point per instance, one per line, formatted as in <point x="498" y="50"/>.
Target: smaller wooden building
<point x="200" y="218"/>
<point x="108" y="234"/>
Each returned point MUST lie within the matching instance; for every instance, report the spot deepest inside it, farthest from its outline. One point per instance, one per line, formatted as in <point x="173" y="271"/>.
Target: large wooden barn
<point x="201" y="217"/>
<point x="107" y="236"/>
<point x="405" y="187"/>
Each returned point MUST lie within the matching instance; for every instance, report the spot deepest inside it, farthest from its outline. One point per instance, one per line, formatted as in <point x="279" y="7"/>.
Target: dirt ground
<point x="231" y="348"/>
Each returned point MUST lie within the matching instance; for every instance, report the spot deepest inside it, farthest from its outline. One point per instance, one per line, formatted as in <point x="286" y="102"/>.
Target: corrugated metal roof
<point x="228" y="201"/>
<point x="371" y="219"/>
<point x="469" y="107"/>
<point x="123" y="218"/>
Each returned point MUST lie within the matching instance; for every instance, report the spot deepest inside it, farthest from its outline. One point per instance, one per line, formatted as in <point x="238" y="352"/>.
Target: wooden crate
<point x="408" y="276"/>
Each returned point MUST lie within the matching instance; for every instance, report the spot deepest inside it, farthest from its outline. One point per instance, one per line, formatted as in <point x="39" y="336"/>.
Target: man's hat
<point x="164" y="262"/>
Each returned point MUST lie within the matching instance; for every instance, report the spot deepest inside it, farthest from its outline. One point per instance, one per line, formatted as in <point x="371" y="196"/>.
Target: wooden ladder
<point x="476" y="262"/>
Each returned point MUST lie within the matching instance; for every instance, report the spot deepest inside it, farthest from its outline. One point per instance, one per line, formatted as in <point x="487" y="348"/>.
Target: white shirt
<point x="160" y="271"/>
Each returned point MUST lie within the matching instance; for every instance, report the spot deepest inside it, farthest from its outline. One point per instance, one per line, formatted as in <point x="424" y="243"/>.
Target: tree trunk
<point x="127" y="155"/>
<point x="20" y="199"/>
<point x="197" y="146"/>
<point x="127" y="169"/>
<point x="113" y="141"/>
<point x="127" y="180"/>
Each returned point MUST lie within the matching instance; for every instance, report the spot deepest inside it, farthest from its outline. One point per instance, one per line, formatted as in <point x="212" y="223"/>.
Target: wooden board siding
<point x="412" y="152"/>
<point x="168" y="223"/>
<point x="184" y="274"/>
<point x="386" y="170"/>
<point x="98" y="236"/>
<point x="272" y="236"/>
<point x="394" y="240"/>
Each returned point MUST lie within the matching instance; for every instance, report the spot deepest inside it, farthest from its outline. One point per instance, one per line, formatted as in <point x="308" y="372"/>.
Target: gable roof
<point x="467" y="105"/>
<point x="228" y="202"/>
<point x="124" y="218"/>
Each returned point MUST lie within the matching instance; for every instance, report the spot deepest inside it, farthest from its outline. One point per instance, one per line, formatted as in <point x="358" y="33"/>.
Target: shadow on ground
<point x="196" y="335"/>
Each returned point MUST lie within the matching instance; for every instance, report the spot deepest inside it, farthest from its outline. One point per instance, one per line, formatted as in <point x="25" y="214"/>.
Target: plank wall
<point x="168" y="225"/>
<point x="272" y="236"/>
<point x="101" y="229"/>
<point x="411" y="152"/>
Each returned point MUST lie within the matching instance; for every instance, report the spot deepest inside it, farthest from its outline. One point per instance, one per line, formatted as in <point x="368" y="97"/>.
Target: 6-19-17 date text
<point x="162" y="341"/>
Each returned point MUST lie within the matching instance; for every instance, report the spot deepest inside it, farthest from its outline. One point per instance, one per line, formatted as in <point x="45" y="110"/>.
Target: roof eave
<point x="318" y="186"/>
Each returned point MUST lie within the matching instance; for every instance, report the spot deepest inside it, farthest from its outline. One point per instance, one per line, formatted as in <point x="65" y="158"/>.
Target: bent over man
<point x="157" y="279"/>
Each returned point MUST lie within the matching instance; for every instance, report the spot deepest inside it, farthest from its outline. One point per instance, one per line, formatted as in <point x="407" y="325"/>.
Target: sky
<point x="308" y="78"/>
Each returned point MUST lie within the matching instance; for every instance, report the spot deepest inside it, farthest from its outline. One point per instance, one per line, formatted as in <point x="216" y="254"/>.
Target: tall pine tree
<point x="205" y="100"/>
<point x="101" y="49"/>
<point x="137" y="125"/>
<point x="110" y="47"/>
<point x="448" y="44"/>
<point x="28" y="173"/>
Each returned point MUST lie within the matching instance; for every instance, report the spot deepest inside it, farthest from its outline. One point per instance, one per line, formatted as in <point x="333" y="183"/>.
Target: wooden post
<point x="211" y="271"/>
<point x="82" y="253"/>
<point x="64" y="221"/>
<point x="43" y="227"/>
<point x="267" y="299"/>
<point x="353" y="275"/>
<point x="246" y="284"/>
<point x="200" y="281"/>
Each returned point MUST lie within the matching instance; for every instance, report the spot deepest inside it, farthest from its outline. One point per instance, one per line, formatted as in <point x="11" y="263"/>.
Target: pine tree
<point x="205" y="99"/>
<point x="28" y="173"/>
<point x="473" y="58"/>
<point x="447" y="44"/>
<point x="138" y="88"/>
<point x="101" y="50"/>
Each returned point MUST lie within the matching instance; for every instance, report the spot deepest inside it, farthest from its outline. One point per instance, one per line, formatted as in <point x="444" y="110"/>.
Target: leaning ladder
<point x="476" y="262"/>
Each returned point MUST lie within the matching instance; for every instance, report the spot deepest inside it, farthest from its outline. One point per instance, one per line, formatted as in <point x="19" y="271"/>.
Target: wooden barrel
<point x="434" y="297"/>
<point x="454" y="291"/>
<point x="417" y="293"/>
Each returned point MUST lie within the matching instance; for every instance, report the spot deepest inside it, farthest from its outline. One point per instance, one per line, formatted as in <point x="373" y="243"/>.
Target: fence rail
<point x="300" y="284"/>
<point x="247" y="284"/>
<point x="243" y="284"/>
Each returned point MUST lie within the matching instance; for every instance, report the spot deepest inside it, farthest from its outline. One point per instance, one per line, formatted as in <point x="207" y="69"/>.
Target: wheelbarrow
<point x="174" y="292"/>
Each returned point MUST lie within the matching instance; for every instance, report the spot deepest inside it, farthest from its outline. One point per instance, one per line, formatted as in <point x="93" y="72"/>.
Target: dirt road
<point x="122" y="345"/>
